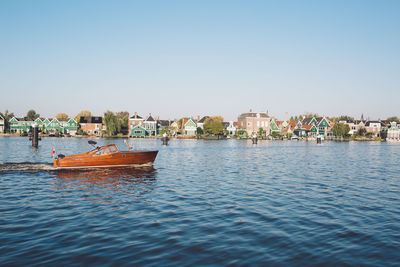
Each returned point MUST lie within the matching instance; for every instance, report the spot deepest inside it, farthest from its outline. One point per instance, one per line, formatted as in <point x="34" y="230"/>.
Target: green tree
<point x="169" y="130"/>
<point x="123" y="120"/>
<point x="199" y="131"/>
<point x="83" y="113"/>
<point x="260" y="132"/>
<point x="111" y="122"/>
<point x="242" y="133"/>
<point x="32" y="115"/>
<point x="81" y="132"/>
<point x="393" y="118"/>
<point x="361" y="131"/>
<point x="7" y="117"/>
<point x="344" y="118"/>
<point x="340" y="129"/>
<point x="62" y="116"/>
<point x="309" y="115"/>
<point x="213" y="125"/>
<point x="276" y="134"/>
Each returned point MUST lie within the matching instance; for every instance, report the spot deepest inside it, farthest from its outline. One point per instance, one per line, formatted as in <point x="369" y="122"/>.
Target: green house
<point x="53" y="126"/>
<point x="138" y="131"/>
<point x="39" y="122"/>
<point x="322" y="125"/>
<point x="274" y="127"/>
<point x="311" y="130"/>
<point x="19" y="125"/>
<point x="15" y="125"/>
<point x="69" y="127"/>
<point x="190" y="128"/>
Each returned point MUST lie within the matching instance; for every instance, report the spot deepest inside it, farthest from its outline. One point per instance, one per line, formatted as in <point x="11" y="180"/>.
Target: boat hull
<point x="111" y="160"/>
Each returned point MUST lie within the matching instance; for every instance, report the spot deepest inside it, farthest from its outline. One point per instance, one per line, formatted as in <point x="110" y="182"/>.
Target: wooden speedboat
<point x="105" y="157"/>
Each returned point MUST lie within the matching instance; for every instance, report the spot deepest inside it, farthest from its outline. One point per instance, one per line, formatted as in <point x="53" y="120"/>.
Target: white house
<point x="1" y="124"/>
<point x="150" y="124"/>
<point x="231" y="128"/>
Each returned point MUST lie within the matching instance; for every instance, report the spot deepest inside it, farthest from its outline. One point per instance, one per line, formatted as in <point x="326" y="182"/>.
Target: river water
<point x="204" y="203"/>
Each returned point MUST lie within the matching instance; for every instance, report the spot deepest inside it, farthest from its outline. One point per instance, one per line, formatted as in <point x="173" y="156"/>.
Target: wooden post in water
<point x="319" y="139"/>
<point x="254" y="139"/>
<point x="35" y="135"/>
<point x="165" y="139"/>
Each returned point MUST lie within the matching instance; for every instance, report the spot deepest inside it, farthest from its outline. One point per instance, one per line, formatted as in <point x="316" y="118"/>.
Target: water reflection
<point x="108" y="182"/>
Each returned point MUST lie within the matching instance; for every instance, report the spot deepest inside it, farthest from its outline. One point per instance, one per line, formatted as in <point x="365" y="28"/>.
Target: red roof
<point x="307" y="126"/>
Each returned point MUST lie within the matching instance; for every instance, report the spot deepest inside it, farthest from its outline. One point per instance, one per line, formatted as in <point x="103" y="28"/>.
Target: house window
<point x="138" y="132"/>
<point x="249" y="124"/>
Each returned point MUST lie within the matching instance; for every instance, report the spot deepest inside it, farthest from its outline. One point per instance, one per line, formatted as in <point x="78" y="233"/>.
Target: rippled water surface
<point x="204" y="202"/>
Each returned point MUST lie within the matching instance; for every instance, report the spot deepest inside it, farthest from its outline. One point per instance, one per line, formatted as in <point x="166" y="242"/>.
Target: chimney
<point x="251" y="110"/>
<point x="198" y="117"/>
<point x="135" y="115"/>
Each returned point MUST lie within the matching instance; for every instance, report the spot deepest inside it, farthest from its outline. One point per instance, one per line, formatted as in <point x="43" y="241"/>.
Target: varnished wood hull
<point x="112" y="160"/>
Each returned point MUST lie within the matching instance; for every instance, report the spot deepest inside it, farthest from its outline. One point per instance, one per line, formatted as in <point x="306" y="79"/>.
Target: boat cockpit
<point x="104" y="150"/>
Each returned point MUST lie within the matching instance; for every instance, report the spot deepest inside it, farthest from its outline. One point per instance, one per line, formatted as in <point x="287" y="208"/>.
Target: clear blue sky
<point x="189" y="58"/>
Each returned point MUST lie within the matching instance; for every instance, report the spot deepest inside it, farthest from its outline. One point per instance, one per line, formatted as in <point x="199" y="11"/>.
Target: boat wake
<point x="38" y="167"/>
<point x="25" y="167"/>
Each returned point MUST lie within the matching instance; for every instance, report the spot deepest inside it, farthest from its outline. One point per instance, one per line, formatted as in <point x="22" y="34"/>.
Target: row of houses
<point x="50" y="126"/>
<point x="140" y="127"/>
<point x="322" y="126"/>
<point x="248" y="123"/>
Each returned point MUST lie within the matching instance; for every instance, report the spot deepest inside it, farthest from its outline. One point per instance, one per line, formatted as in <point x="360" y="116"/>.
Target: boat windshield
<point x="105" y="150"/>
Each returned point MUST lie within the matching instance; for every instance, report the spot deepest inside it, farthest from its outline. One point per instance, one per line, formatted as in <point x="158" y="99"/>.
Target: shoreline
<point x="207" y="139"/>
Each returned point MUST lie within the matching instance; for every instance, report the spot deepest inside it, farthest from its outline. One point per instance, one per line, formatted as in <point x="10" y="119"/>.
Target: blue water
<point x="204" y="203"/>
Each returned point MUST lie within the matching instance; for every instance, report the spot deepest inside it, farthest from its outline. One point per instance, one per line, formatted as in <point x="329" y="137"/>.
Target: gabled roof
<point x="188" y="121"/>
<point x="225" y="124"/>
<point x="202" y="120"/>
<point x="13" y="119"/>
<point x="164" y="122"/>
<point x="138" y="126"/>
<point x="307" y="121"/>
<point x="150" y="118"/>
<point x="308" y="127"/>
<point x="359" y="121"/>
<point x="137" y="117"/>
